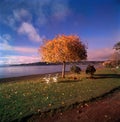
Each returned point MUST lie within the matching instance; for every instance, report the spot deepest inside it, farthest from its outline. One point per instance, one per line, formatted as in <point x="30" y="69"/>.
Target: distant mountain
<point x="45" y="63"/>
<point x="34" y="64"/>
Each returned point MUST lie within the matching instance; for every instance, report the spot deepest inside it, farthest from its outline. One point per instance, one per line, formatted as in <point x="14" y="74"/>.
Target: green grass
<point x="21" y="99"/>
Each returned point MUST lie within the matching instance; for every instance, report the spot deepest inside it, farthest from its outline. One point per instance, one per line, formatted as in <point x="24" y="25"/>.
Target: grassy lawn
<point x="20" y="99"/>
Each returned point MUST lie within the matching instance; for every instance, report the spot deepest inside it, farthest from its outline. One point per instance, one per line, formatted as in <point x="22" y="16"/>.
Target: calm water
<point x="15" y="71"/>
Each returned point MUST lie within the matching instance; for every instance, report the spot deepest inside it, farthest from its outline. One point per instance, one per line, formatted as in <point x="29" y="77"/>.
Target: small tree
<point x="75" y="69"/>
<point x="63" y="49"/>
<point x="90" y="70"/>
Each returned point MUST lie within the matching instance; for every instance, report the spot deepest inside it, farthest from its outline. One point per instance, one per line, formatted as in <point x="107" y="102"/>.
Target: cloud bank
<point x="18" y="59"/>
<point x="30" y="31"/>
<point x="22" y="15"/>
<point x="5" y="46"/>
<point x="22" y="51"/>
<point x="100" y="54"/>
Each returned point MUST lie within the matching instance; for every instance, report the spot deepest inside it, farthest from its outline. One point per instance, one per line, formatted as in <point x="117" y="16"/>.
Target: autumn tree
<point x="117" y="46"/>
<point x="116" y="55"/>
<point x="63" y="49"/>
<point x="115" y="58"/>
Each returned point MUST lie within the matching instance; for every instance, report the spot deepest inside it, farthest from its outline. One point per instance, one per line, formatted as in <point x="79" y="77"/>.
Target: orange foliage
<point x="63" y="49"/>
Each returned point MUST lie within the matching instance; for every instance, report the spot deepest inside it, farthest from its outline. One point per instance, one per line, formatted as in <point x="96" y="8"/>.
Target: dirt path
<point x="105" y="110"/>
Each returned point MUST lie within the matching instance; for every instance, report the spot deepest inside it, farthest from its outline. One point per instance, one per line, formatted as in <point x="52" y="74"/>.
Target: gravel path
<point x="104" y="110"/>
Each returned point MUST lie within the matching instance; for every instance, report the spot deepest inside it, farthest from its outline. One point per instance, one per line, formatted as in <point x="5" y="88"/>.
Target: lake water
<point x="15" y="71"/>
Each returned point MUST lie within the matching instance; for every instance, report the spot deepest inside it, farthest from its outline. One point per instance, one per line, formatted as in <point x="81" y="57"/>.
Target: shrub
<point x="75" y="69"/>
<point x="90" y="70"/>
<point x="109" y="64"/>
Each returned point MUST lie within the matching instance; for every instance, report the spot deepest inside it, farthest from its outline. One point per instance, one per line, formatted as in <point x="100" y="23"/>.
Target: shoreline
<point x="27" y="77"/>
<point x="30" y="76"/>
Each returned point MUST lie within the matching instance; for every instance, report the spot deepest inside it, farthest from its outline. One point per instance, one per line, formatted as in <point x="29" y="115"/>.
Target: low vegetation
<point x="29" y="97"/>
<point x="75" y="69"/>
<point x="90" y="70"/>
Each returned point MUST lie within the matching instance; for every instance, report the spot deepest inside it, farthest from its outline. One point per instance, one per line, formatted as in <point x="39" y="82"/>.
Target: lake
<point x="15" y="71"/>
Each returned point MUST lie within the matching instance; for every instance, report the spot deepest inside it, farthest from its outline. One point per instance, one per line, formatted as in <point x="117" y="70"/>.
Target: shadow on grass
<point x="102" y="76"/>
<point x="53" y="112"/>
<point x="69" y="81"/>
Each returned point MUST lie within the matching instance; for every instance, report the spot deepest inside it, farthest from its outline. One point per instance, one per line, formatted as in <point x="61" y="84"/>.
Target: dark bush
<point x="90" y="70"/>
<point x="75" y="69"/>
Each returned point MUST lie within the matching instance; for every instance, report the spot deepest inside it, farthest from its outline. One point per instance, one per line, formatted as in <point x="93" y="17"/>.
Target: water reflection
<point x="14" y="71"/>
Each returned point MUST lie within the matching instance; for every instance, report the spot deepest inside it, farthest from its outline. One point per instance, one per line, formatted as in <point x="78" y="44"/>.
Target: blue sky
<point x="24" y="24"/>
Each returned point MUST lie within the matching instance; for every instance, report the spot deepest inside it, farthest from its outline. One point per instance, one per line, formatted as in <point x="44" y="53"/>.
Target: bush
<point x="109" y="64"/>
<point x="90" y="70"/>
<point x="75" y="69"/>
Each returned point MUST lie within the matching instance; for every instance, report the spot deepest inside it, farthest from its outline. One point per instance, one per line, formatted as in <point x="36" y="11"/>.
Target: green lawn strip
<point x="21" y="99"/>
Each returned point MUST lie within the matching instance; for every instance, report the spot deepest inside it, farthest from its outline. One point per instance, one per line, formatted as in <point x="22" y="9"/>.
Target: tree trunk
<point x="63" y="70"/>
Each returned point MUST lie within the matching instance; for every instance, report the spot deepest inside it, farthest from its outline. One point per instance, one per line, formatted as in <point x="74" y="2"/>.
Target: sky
<point x="24" y="24"/>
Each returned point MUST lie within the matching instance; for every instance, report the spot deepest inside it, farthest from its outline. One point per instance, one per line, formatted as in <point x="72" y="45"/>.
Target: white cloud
<point x="10" y="21"/>
<point x="22" y="15"/>
<point x="26" y="49"/>
<point x="17" y="14"/>
<point x="56" y="10"/>
<point x="10" y="59"/>
<point x="29" y="30"/>
<point x="42" y="19"/>
<point x="18" y="59"/>
<point x="4" y="45"/>
<point x="60" y="10"/>
<point x="7" y="37"/>
<point x="100" y="54"/>
<point x="17" y="17"/>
